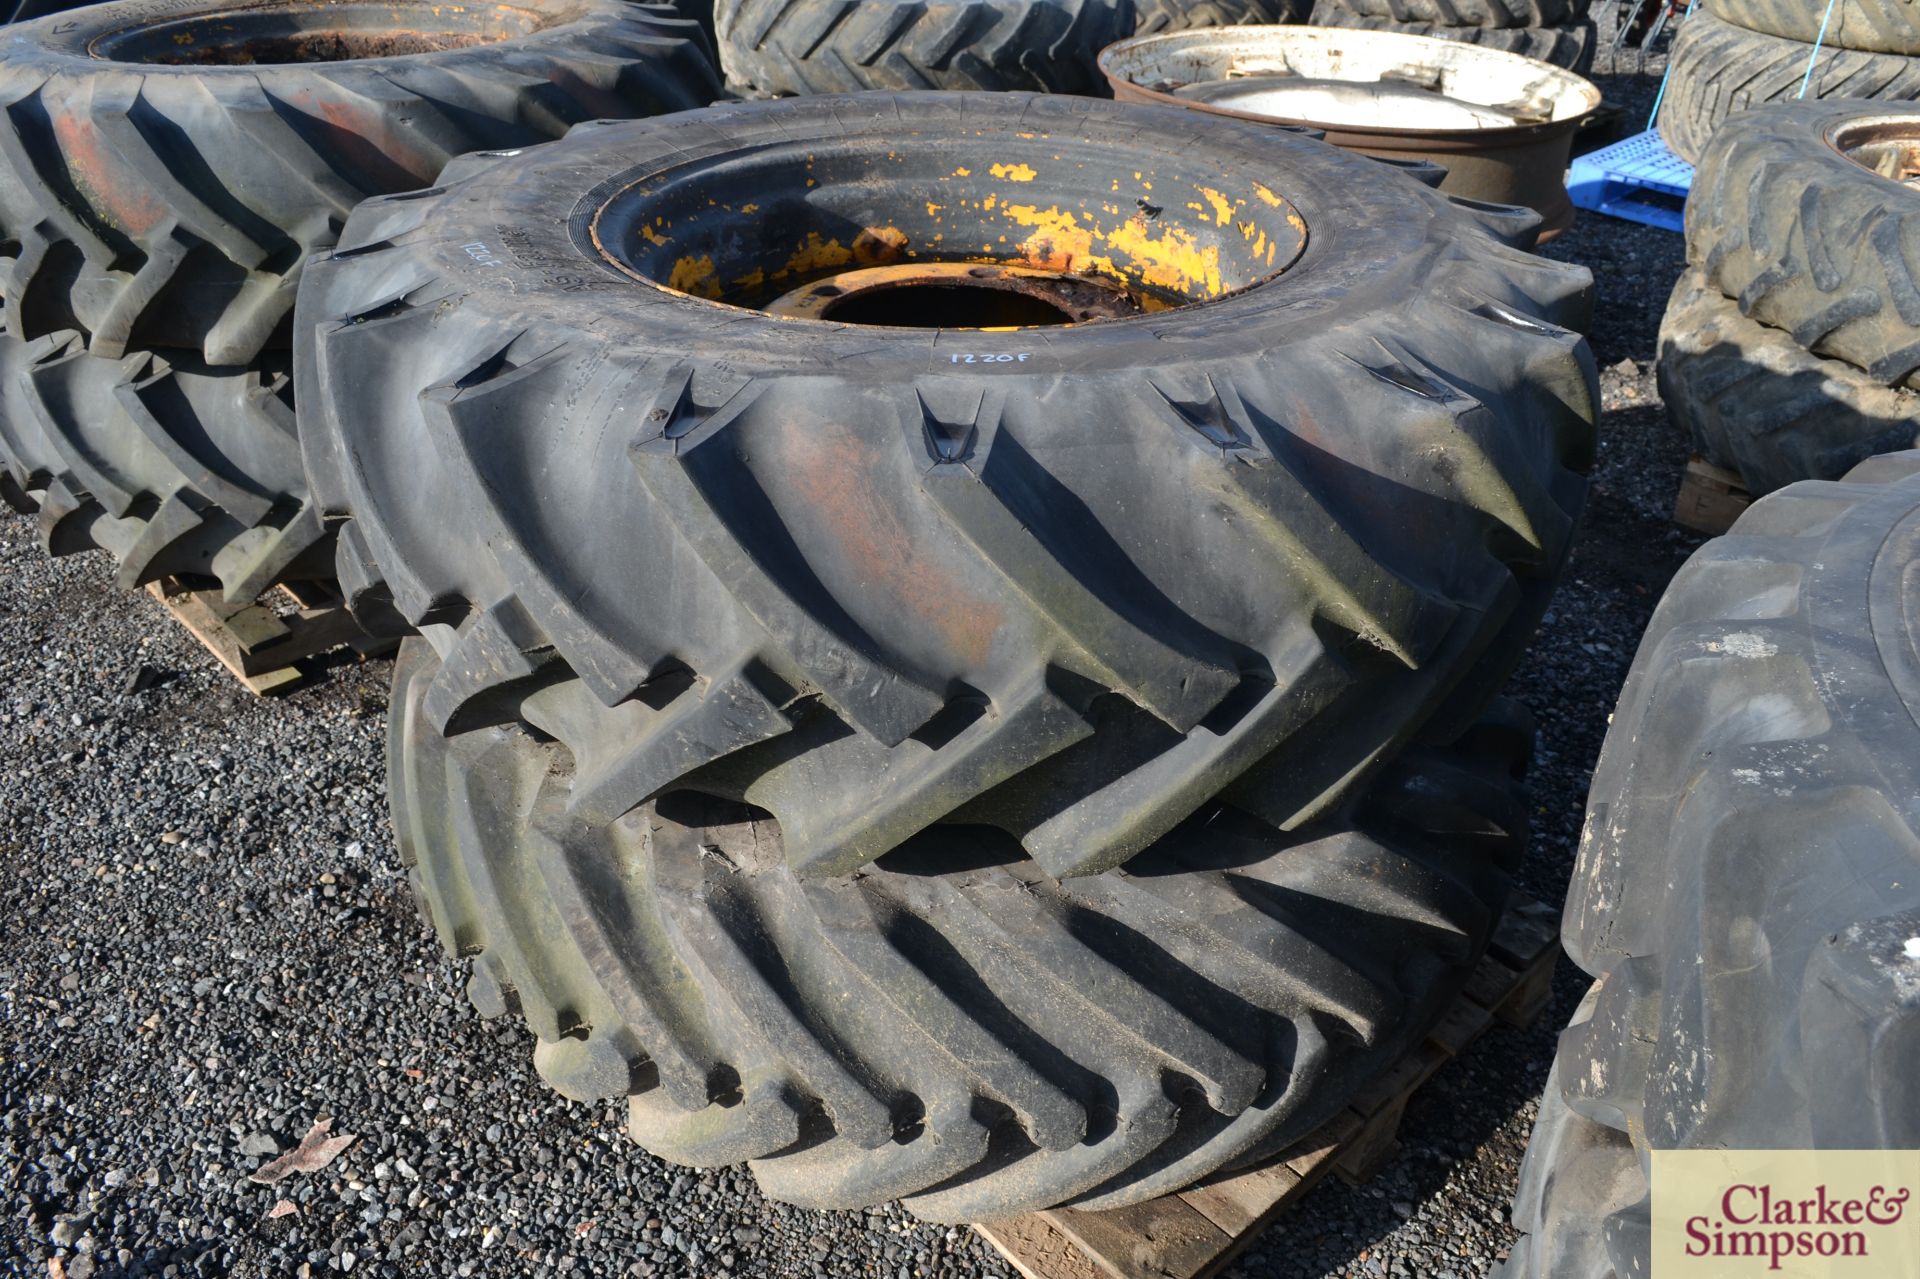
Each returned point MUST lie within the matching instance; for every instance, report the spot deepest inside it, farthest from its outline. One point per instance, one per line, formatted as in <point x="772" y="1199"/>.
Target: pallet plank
<point x="255" y="628"/>
<point x="1242" y="1201"/>
<point x="257" y="645"/>
<point x="1527" y="931"/>
<point x="313" y="595"/>
<point x="212" y="630"/>
<point x="1711" y="497"/>
<point x="1531" y="994"/>
<point x="1315" y="1153"/>
<point x="1162" y="1238"/>
<point x="1376" y="1143"/>
<point x="1491" y="982"/>
<point x="1037" y="1250"/>
<point x="308" y="633"/>
<point x="1252" y="1196"/>
<point x="1462" y="1023"/>
<point x="1397" y="1081"/>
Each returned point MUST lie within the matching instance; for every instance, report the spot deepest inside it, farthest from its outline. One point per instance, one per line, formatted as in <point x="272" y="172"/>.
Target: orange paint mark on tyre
<point x="128" y="203"/>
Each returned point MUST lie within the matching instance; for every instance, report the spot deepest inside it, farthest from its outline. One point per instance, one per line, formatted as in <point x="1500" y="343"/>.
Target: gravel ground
<point x="207" y="945"/>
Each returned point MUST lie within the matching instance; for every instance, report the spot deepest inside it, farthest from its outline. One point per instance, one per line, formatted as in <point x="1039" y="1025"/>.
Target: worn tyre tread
<point x="1811" y="241"/>
<point x="1718" y="70"/>
<point x="1571" y="45"/>
<point x="1117" y="710"/>
<point x="172" y="467"/>
<point x="949" y="1026"/>
<point x="845" y="46"/>
<point x="1872" y="26"/>
<point x="1746" y="885"/>
<point x="174" y="206"/>
<point x="1154" y="16"/>
<point x="1466" y="13"/>
<point x="1754" y="400"/>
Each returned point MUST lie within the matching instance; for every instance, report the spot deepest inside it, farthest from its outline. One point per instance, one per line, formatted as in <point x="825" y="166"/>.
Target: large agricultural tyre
<point x="1468" y="13"/>
<point x="933" y="555"/>
<point x="172" y="164"/>
<point x="1874" y="26"/>
<point x="1717" y="70"/>
<point x="1748" y="889"/>
<point x="173" y="467"/>
<point x="845" y="46"/>
<point x="1804" y="212"/>
<point x="1150" y="17"/>
<point x="1570" y="45"/>
<point x="1753" y="399"/>
<point x="952" y="1026"/>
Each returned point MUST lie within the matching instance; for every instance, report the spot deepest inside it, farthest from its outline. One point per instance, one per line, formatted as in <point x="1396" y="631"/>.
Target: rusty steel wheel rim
<point x="1886" y="145"/>
<point x="1057" y="231"/>
<point x="995" y="296"/>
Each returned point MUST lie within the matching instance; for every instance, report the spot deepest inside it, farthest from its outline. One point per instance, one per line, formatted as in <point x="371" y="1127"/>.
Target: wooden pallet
<point x="260" y="642"/>
<point x="1196" y="1232"/>
<point x="1711" y="497"/>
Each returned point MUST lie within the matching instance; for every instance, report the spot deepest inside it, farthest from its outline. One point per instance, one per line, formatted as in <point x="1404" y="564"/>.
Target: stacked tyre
<point x="776" y="48"/>
<point x="1747" y="896"/>
<point x="1791" y="348"/>
<point x="1151" y="16"/>
<point x="780" y="48"/>
<point x="957" y="631"/>
<point x="1556" y="31"/>
<point x="167" y="169"/>
<point x="1733" y="55"/>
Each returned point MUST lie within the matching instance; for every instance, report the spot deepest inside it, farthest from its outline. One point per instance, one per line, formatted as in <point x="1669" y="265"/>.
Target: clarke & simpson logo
<point x="1756" y="1214"/>
<point x="1755" y="1221"/>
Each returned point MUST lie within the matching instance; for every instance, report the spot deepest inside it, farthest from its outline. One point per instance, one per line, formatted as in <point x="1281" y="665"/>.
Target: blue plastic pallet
<point x="1637" y="179"/>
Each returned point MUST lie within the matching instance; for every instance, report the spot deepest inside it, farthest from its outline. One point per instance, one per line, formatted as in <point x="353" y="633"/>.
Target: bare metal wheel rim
<point x="1501" y="124"/>
<point x="1304" y="62"/>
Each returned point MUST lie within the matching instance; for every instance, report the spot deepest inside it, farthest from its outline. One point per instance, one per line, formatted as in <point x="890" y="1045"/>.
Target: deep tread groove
<point x="192" y="470"/>
<point x="1569" y="45"/>
<point x="152" y="245"/>
<point x="1469" y="13"/>
<point x="844" y="46"/>
<point x="1154" y="16"/>
<point x="1060" y="672"/>
<point x="945" y="1026"/>
<point x="1874" y="26"/>
<point x="1717" y="69"/>
<point x="1838" y="264"/>
<point x="1753" y="400"/>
